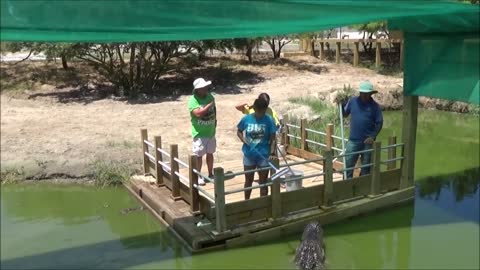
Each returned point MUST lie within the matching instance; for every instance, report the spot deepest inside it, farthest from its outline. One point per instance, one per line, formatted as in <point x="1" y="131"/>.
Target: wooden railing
<point x="320" y="44"/>
<point x="278" y="204"/>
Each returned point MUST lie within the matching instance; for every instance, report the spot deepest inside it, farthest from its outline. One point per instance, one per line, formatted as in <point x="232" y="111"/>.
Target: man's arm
<point x="200" y="112"/>
<point x="346" y="109"/>
<point x="378" y="127"/>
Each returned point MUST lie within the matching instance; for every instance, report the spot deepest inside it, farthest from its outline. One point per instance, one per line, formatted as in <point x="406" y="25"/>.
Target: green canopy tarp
<point x="150" y="20"/>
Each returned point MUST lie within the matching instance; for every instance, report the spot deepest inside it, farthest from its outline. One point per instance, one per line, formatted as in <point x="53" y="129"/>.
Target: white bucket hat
<point x="200" y="83"/>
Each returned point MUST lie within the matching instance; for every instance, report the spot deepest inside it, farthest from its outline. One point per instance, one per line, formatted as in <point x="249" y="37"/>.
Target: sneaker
<point x="201" y="181"/>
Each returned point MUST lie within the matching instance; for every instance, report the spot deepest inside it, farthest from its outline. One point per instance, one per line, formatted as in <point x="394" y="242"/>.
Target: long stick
<point x="343" y="139"/>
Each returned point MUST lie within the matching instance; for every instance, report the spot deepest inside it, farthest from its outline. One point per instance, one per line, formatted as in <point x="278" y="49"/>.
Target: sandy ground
<point x="47" y="137"/>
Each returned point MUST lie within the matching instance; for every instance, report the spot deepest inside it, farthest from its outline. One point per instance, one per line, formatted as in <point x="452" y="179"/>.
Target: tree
<point x="247" y="45"/>
<point x="133" y="67"/>
<point x="277" y="43"/>
<point x="370" y="29"/>
<point x="52" y="51"/>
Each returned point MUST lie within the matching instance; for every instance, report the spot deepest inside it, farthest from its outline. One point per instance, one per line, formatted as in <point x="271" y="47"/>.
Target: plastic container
<point x="293" y="185"/>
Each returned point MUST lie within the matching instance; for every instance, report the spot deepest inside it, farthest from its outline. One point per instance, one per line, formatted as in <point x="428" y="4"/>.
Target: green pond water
<point x="52" y="226"/>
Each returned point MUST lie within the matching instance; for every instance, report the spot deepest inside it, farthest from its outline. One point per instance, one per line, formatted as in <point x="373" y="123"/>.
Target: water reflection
<point x="456" y="193"/>
<point x="442" y="215"/>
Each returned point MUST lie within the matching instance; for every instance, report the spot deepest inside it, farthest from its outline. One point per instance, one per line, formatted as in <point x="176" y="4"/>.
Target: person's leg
<point x="366" y="158"/>
<point x="211" y="147"/>
<point x="262" y="177"/>
<point x="350" y="160"/>
<point x="210" y="165"/>
<point x="248" y="165"/>
<point x="198" y="150"/>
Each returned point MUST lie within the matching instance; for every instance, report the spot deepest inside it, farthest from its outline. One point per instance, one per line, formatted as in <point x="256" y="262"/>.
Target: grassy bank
<point x="105" y="173"/>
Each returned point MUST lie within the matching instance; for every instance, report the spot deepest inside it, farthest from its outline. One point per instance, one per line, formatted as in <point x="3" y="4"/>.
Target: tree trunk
<point x="249" y="54"/>
<point x="64" y="62"/>
<point x="313" y="48"/>
<point x="132" y="62"/>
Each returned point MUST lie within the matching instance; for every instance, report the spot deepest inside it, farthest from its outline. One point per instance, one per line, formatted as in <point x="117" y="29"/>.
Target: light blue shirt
<point x="257" y="133"/>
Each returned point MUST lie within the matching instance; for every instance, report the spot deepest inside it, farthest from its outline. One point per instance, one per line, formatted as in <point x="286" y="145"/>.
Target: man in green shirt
<point x="203" y="114"/>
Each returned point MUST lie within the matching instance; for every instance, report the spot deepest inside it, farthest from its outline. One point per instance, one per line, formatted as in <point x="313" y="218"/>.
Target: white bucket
<point x="293" y="185"/>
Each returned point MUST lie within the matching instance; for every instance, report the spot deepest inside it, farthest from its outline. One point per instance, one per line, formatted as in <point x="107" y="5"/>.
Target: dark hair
<point x="265" y="96"/>
<point x="260" y="104"/>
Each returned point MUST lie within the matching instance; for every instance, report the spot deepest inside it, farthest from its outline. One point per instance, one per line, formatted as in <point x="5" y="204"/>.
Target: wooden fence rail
<point x="278" y="204"/>
<point x="320" y="44"/>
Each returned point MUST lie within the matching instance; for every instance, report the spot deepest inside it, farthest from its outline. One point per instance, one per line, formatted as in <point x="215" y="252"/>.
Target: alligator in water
<point x="129" y="210"/>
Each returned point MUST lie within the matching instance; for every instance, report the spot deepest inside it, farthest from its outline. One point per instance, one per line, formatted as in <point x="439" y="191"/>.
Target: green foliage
<point x="277" y="43"/>
<point x="12" y="175"/>
<point x="110" y="173"/>
<point x="65" y="51"/>
<point x="247" y="45"/>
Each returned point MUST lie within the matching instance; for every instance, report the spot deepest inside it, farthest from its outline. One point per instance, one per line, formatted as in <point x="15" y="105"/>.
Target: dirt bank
<point x="52" y="129"/>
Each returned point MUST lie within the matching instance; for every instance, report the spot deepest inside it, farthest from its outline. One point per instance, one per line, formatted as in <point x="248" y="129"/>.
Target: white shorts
<point x="202" y="146"/>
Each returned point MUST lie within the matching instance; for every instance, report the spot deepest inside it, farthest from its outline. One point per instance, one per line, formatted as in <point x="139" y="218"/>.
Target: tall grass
<point x="328" y="114"/>
<point x="12" y="175"/>
<point x="110" y="173"/>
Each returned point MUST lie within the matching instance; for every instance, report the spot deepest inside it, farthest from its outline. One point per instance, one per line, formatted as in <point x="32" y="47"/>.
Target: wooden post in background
<point x="144" y="137"/>
<point x="328" y="137"/>
<point x="321" y="52"/>
<point x="392" y="153"/>
<point x="328" y="178"/>
<point x="286" y="139"/>
<point x="378" y="50"/>
<point x="275" y="190"/>
<point x="355" y="54"/>
<point x="401" y="54"/>
<point x="337" y="52"/>
<point x="174" y="168"/>
<point x="219" y="186"/>
<point x="375" y="169"/>
<point x="193" y="178"/>
<point x="158" y="157"/>
<point x="303" y="134"/>
<point x="409" y="135"/>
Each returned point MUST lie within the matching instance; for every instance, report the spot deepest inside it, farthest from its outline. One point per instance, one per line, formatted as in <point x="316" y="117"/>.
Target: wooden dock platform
<point x="217" y="216"/>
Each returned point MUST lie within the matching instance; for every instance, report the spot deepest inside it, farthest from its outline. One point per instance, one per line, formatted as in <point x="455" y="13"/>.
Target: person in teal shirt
<point x="257" y="132"/>
<point x="203" y="114"/>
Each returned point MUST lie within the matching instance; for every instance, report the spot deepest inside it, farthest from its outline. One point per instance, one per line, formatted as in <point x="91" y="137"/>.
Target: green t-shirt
<point x="203" y="127"/>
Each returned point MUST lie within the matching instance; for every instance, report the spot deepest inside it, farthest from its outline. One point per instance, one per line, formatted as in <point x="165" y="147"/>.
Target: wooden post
<point x="375" y="169"/>
<point x="158" y="157"/>
<point x="300" y="45"/>
<point x="401" y="54"/>
<point x="286" y="139"/>
<point x="174" y="168"/>
<point x="355" y="54"/>
<point x="378" y="60"/>
<point x="303" y="134"/>
<point x="392" y="153"/>
<point x="219" y="185"/>
<point x="144" y="137"/>
<point x="275" y="190"/>
<point x="409" y="134"/>
<point x="328" y="178"/>
<point x="193" y="177"/>
<point x="337" y="52"/>
<point x="321" y="52"/>
<point x="328" y="138"/>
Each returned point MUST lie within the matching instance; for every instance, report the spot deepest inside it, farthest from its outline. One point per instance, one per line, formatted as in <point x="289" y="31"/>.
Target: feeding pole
<point x="343" y="140"/>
